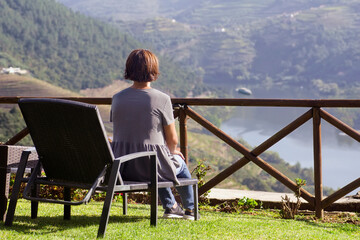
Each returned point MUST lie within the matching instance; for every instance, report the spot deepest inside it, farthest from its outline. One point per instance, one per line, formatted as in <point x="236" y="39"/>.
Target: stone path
<point x="273" y="199"/>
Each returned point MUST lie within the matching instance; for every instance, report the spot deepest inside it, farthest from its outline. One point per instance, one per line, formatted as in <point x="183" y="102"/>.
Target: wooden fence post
<point x="319" y="211"/>
<point x="183" y="134"/>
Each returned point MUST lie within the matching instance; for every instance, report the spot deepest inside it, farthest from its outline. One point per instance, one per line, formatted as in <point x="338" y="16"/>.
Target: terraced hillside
<point x="200" y="12"/>
<point x="14" y="85"/>
<point x="307" y="48"/>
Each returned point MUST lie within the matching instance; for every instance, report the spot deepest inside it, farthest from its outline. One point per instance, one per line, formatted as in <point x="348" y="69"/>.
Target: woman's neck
<point x="141" y="85"/>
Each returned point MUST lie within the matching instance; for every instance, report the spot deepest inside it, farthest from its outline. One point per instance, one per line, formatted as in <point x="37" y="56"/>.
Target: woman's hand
<point x="177" y="152"/>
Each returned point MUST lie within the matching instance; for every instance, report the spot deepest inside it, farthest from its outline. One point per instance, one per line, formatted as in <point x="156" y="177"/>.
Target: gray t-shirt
<point x="139" y="117"/>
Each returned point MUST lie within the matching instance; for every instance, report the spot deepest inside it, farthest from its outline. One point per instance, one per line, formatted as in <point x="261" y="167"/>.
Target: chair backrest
<point x="69" y="138"/>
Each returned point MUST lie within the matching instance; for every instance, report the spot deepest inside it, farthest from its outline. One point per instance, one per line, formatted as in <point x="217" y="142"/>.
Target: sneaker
<point x="175" y="212"/>
<point x="189" y="215"/>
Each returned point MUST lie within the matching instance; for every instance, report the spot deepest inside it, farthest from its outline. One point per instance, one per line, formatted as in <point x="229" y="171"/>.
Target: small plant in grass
<point x="245" y="204"/>
<point x="290" y="209"/>
<point x="200" y="172"/>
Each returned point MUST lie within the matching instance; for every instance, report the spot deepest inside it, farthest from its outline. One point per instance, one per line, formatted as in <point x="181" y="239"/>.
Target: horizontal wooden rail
<point x="268" y="102"/>
<point x="329" y="103"/>
<point x="96" y="101"/>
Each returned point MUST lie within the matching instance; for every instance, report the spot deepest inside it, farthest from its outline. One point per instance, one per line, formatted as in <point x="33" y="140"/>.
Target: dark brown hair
<point x="142" y="66"/>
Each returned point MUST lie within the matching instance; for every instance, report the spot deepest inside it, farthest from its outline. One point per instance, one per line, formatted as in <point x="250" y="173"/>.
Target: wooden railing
<point x="183" y="111"/>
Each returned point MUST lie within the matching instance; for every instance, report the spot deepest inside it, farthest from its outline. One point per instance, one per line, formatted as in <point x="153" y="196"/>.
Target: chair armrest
<point x="153" y="164"/>
<point x="132" y="156"/>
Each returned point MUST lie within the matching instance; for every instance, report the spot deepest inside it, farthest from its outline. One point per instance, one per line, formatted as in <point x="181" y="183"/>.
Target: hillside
<point x="60" y="46"/>
<point x="200" y="12"/>
<point x="304" y="48"/>
<point x="122" y="10"/>
<point x="74" y="51"/>
<point x="13" y="85"/>
<point x="309" y="48"/>
<point x="107" y="91"/>
<point x="318" y="50"/>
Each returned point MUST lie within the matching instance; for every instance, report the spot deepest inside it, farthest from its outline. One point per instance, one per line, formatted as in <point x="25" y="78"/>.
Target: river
<point x="340" y="154"/>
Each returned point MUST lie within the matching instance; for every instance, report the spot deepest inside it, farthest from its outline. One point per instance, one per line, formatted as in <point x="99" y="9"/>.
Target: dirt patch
<point x="107" y="91"/>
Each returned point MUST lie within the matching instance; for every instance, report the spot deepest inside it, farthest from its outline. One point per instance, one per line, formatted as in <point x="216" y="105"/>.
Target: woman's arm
<point x="171" y="139"/>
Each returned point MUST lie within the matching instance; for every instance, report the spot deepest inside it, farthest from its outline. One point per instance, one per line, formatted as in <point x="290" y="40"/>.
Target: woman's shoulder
<point x="122" y="92"/>
<point x="159" y="93"/>
<point x="160" y="97"/>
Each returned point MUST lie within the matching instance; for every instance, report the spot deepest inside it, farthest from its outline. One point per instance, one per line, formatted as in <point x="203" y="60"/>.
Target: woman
<point x="143" y="121"/>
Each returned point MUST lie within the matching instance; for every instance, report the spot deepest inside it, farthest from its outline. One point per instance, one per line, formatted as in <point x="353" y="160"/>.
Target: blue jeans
<point x="186" y="192"/>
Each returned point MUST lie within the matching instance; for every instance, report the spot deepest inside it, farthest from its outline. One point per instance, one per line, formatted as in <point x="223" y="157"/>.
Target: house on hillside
<point x="219" y="30"/>
<point x="12" y="70"/>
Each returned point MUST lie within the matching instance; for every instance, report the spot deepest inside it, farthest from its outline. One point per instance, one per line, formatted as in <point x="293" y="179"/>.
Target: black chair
<point x="74" y="152"/>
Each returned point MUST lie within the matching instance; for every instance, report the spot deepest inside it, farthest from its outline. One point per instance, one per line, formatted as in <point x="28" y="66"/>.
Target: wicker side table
<point x="9" y="159"/>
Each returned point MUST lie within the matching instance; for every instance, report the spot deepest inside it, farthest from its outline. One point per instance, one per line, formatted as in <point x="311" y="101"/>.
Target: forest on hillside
<point x="72" y="50"/>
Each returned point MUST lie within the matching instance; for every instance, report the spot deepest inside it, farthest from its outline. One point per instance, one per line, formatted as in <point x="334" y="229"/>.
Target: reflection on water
<point x="340" y="154"/>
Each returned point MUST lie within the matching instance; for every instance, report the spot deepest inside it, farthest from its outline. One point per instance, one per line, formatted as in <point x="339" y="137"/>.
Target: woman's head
<point x="142" y="66"/>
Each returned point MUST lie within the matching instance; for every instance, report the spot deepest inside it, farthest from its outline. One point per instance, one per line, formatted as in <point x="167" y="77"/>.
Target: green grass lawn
<point x="136" y="225"/>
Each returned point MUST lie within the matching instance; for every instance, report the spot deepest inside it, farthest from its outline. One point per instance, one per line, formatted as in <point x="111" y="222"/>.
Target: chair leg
<point x="125" y="205"/>
<point x="12" y="204"/>
<point x="4" y="181"/>
<point x="4" y="195"/>
<point x="34" y="204"/>
<point x="196" y="202"/>
<point x="154" y="190"/>
<point x="67" y="208"/>
<point x="16" y="188"/>
<point x="154" y="207"/>
<point x="108" y="199"/>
